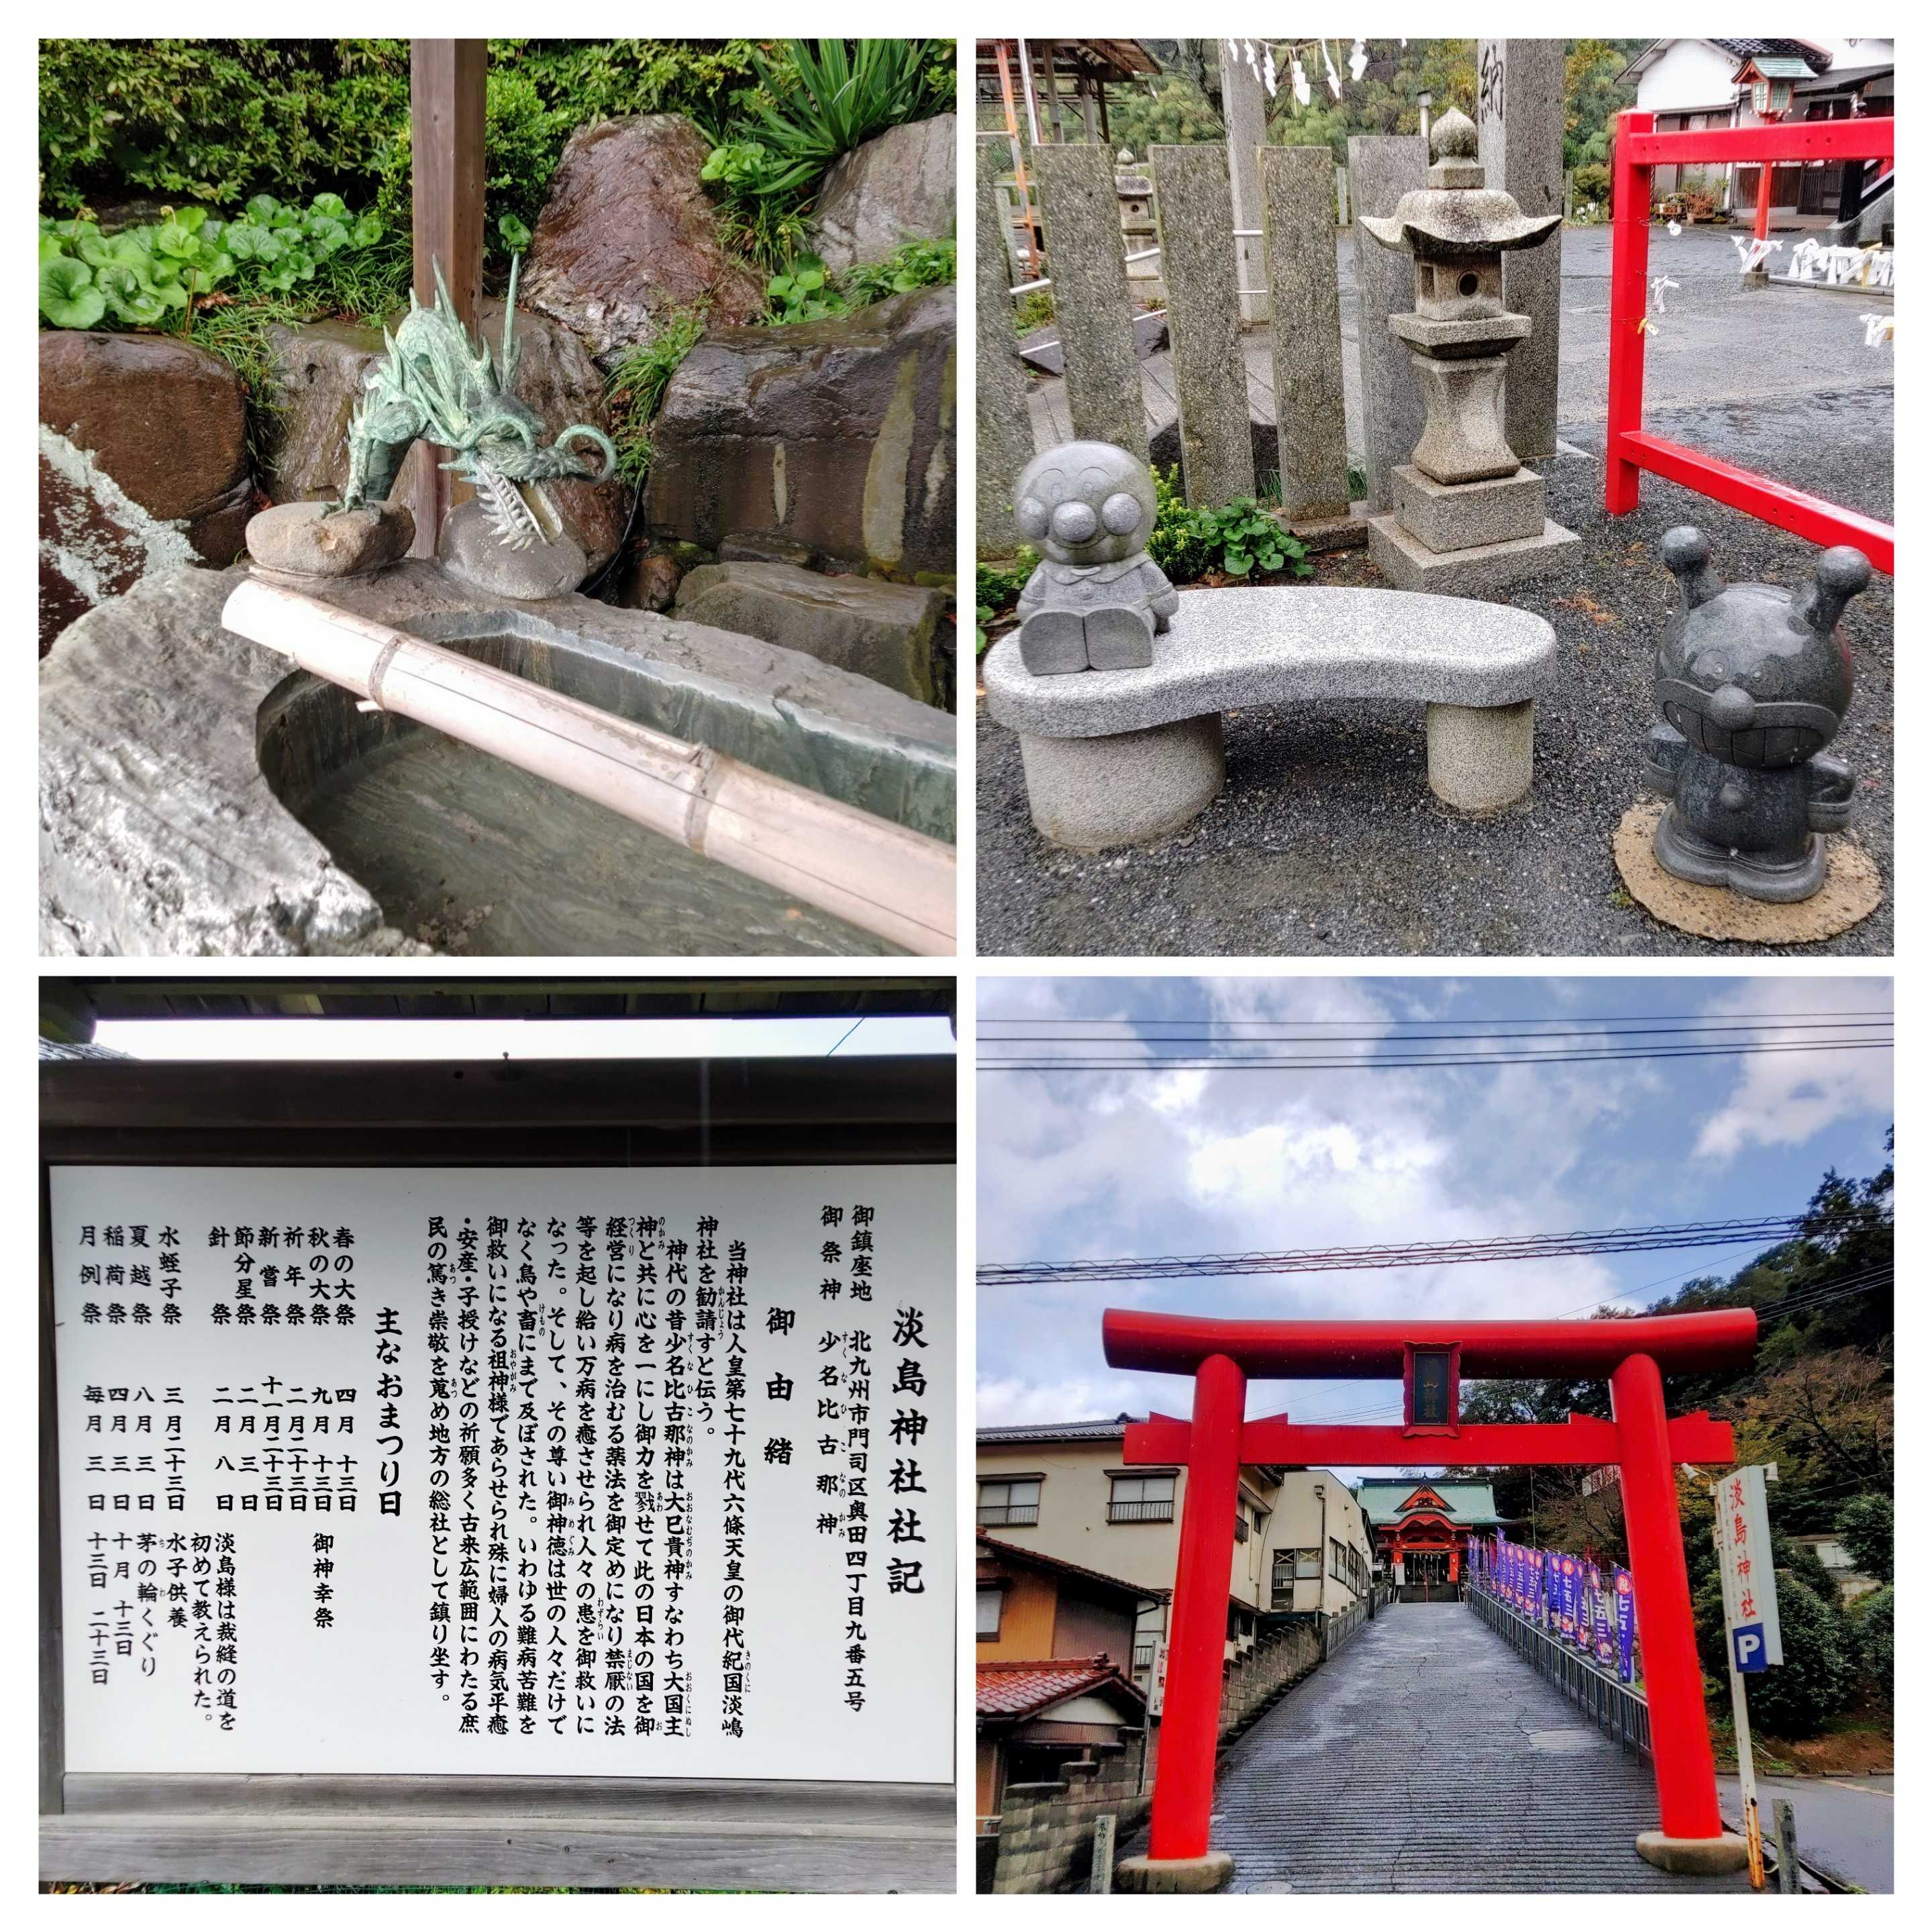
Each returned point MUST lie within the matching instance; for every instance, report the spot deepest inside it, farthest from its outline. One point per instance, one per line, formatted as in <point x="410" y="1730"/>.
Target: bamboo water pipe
<point x="897" y="884"/>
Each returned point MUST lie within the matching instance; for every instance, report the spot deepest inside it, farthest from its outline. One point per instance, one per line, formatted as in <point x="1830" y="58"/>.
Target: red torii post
<point x="1430" y="1357"/>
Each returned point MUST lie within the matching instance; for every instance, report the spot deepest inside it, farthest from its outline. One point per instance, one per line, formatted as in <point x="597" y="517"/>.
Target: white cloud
<point x="1782" y="1099"/>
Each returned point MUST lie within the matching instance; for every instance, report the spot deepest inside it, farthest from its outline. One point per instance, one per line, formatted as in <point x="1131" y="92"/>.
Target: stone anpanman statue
<point x="1097" y="601"/>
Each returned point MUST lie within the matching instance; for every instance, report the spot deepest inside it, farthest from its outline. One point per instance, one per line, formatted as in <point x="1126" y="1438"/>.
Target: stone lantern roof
<point x="1456" y="215"/>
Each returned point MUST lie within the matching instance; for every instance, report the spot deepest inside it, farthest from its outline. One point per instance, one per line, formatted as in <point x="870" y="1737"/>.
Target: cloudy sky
<point x="1073" y="1166"/>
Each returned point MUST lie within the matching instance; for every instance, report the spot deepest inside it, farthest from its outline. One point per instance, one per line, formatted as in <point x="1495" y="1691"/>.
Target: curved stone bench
<point x="1115" y="757"/>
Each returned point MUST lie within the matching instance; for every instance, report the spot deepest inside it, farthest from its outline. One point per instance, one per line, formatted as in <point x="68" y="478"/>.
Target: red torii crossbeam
<point x="1645" y="1443"/>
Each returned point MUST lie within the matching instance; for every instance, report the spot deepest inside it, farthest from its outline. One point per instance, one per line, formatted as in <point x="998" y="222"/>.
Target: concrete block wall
<point x="1046" y="1831"/>
<point x="1281" y="1658"/>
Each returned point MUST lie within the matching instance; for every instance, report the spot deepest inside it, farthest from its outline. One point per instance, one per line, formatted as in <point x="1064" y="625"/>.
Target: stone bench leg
<point x="1479" y="761"/>
<point x="1091" y="794"/>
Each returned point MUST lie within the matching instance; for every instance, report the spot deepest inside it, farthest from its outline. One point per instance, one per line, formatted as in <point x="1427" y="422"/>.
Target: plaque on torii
<point x="1645" y="1443"/>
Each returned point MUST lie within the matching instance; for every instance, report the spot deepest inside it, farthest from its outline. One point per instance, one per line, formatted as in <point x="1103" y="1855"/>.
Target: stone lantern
<point x="1467" y="516"/>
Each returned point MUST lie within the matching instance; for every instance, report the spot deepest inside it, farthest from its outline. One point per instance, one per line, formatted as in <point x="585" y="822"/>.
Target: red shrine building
<point x="1422" y="1528"/>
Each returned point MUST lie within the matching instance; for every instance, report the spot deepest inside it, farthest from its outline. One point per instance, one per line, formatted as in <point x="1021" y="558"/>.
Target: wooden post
<point x="446" y="119"/>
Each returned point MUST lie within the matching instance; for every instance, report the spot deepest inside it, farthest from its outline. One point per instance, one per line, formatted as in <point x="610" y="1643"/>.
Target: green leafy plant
<point x="912" y="265"/>
<point x="137" y="276"/>
<point x="1240" y="539"/>
<point x="803" y="292"/>
<point x="636" y="389"/>
<point x="515" y="235"/>
<point x="996" y="589"/>
<point x="829" y="96"/>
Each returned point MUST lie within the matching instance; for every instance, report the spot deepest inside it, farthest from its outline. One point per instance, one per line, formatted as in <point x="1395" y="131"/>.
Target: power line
<point x="1660" y="1236"/>
<point x="1570" y="1019"/>
<point x="1366" y="1063"/>
<point x="1502" y="1031"/>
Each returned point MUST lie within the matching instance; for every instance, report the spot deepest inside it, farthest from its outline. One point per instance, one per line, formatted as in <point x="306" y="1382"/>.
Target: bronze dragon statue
<point x="436" y="384"/>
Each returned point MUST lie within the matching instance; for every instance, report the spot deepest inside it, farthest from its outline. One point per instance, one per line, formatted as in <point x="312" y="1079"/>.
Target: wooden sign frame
<point x="595" y="1833"/>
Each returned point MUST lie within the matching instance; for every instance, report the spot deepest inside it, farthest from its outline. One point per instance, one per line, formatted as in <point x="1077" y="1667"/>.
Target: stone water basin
<point x="198" y="797"/>
<point x="470" y="855"/>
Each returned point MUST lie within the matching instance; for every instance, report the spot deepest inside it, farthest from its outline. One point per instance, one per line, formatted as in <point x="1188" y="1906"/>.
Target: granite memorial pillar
<point x="1192" y="207"/>
<point x="1383" y="168"/>
<point x="1520" y="114"/>
<point x="1004" y="427"/>
<point x="1091" y="305"/>
<point x="1305" y="332"/>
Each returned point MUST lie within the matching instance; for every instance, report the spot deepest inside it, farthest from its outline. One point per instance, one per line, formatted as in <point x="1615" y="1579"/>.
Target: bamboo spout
<point x="897" y="884"/>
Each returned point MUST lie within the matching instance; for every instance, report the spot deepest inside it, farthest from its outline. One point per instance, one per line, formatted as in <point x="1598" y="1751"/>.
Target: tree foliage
<point x="1184" y="105"/>
<point x="1865" y="1527"/>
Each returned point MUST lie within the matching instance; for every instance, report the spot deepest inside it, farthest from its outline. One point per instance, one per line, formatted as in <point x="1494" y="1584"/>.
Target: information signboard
<point x="1750" y="1581"/>
<point x="633" y="1471"/>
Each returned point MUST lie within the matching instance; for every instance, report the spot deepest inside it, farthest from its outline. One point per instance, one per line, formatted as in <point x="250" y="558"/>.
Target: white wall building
<point x="1693" y="84"/>
<point x="1301" y="1548"/>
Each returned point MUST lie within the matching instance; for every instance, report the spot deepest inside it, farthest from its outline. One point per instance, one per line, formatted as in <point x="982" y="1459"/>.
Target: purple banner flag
<point x="1626" y="1614"/>
<point x="1602" y="1643"/>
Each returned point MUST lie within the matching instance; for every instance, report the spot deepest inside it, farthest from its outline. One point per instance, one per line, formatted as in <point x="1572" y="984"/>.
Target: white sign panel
<point x="1750" y="1581"/>
<point x="641" y="1472"/>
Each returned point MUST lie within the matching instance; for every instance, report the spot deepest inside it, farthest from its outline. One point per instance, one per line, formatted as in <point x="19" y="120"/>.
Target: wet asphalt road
<point x="1844" y="1824"/>
<point x="1327" y="841"/>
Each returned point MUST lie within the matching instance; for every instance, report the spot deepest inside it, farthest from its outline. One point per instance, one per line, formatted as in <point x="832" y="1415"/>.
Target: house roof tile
<point x="1022" y="1689"/>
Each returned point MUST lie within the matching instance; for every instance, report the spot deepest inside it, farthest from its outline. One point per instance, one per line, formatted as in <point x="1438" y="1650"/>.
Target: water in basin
<point x="470" y="855"/>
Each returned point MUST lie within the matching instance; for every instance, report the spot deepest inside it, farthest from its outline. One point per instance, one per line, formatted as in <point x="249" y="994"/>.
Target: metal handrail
<point x="1146" y="1512"/>
<point x="1618" y="1710"/>
<point x="1009" y="1515"/>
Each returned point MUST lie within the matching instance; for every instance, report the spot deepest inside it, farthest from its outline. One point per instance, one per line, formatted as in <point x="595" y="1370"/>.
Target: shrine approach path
<point x="1426" y="1757"/>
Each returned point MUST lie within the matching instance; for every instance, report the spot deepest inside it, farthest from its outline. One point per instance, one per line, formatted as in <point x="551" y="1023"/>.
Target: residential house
<point x="1853" y="1582"/>
<point x="1693" y="84"/>
<point x="1063" y="1489"/>
<point x="1053" y="1644"/>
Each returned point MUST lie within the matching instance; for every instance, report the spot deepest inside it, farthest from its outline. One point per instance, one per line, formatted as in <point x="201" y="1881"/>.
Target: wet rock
<point x="835" y="437"/>
<point x="470" y="550"/>
<point x="896" y="188"/>
<point x="652" y="581"/>
<point x="630" y="234"/>
<point x="144" y="466"/>
<point x="318" y="372"/>
<point x="881" y="631"/>
<point x="754" y="547"/>
<point x="160" y="834"/>
<point x="297" y="541"/>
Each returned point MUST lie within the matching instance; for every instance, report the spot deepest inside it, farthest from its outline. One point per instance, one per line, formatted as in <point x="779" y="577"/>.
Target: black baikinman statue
<point x="1753" y="682"/>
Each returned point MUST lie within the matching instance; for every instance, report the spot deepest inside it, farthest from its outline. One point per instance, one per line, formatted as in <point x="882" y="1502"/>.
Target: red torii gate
<point x="1431" y="1357"/>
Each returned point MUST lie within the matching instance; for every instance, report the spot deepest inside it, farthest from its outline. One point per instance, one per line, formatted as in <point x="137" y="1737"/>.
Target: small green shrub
<point x="827" y="97"/>
<point x="1240" y="539"/>
<point x="806" y="291"/>
<point x="1590" y="183"/>
<point x="1817" y="1679"/>
<point x="1033" y="311"/>
<point x="803" y="292"/>
<point x="997" y="590"/>
<point x="912" y="265"/>
<point x="1871" y="1637"/>
<point x="1865" y="1528"/>
<point x="636" y="388"/>
<point x="814" y="101"/>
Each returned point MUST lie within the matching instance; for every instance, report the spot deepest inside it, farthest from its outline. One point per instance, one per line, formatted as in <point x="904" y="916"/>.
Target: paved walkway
<point x="1428" y="1757"/>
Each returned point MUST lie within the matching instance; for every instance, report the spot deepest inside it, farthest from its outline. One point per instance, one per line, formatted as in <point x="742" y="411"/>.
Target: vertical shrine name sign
<point x="642" y="1472"/>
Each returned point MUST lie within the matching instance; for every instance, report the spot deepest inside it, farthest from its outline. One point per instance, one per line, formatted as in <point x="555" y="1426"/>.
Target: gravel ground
<point x="1327" y="842"/>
